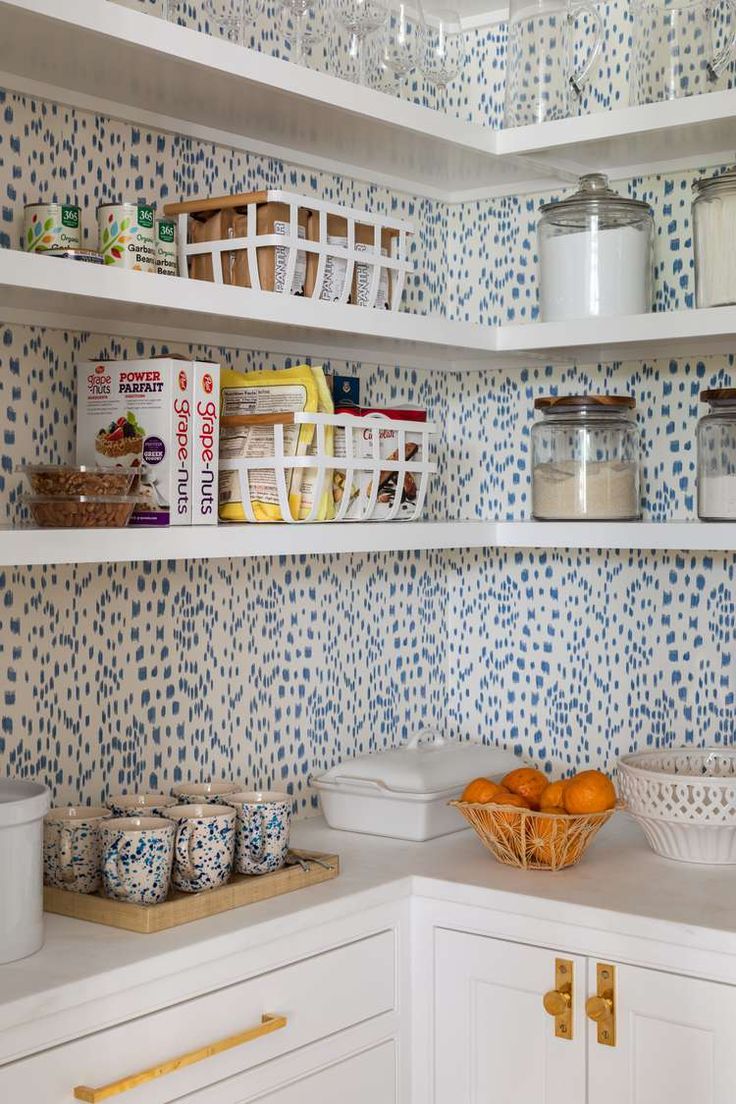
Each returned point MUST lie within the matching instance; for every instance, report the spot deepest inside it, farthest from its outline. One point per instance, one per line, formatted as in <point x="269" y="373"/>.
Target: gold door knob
<point x="556" y="1002"/>
<point x="599" y="1008"/>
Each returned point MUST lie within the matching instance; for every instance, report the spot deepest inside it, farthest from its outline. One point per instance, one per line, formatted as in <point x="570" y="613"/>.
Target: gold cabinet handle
<point x="558" y="1002"/>
<point x="601" y="1008"/>
<point x="269" y="1023"/>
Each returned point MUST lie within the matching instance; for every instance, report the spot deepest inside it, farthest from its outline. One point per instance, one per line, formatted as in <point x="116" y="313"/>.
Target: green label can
<point x="167" y="263"/>
<point x="126" y="236"/>
<point x="51" y="226"/>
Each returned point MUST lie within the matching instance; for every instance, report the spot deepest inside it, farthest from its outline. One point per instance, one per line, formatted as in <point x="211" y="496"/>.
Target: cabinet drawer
<point x="317" y="996"/>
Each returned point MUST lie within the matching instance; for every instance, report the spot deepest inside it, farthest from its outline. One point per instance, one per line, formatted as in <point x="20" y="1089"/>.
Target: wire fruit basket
<point x="532" y="840"/>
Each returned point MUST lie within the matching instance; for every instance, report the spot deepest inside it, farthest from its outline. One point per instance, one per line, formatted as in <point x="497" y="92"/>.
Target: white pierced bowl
<point x="685" y="801"/>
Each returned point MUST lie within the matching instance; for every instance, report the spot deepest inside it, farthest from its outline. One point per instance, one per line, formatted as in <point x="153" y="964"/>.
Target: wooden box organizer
<point x="294" y="245"/>
<point x="182" y="908"/>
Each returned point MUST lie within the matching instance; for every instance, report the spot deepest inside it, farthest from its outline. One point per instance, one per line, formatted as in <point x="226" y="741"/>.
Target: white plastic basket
<point x="366" y="257"/>
<point x="685" y="801"/>
<point x="360" y="507"/>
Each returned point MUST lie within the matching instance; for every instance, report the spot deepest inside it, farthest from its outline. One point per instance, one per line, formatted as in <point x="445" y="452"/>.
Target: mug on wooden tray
<point x="262" y="830"/>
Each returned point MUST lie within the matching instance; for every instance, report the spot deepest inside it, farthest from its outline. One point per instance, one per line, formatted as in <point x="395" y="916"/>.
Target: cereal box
<point x="138" y="414"/>
<point x="206" y="443"/>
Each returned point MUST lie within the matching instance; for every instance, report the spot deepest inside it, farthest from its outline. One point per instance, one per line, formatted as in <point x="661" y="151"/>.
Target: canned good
<point x="167" y="263"/>
<point x="126" y="236"/>
<point x="91" y="256"/>
<point x="50" y="226"/>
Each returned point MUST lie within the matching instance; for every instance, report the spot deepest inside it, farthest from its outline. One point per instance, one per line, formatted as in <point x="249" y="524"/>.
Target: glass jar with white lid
<point x="717" y="456"/>
<point x="586" y="459"/>
<point x="714" y="230"/>
<point x="595" y="254"/>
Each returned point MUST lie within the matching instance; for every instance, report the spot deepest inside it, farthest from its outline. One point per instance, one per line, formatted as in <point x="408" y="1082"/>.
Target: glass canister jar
<point x="595" y="254"/>
<point x="586" y="459"/>
<point x="714" y="227"/>
<point x="717" y="456"/>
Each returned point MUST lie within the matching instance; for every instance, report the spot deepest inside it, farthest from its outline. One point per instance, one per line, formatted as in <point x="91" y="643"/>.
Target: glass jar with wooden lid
<point x="586" y="459"/>
<point x="717" y="456"/>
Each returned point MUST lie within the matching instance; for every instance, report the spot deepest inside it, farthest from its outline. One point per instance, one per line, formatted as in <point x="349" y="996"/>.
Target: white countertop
<point x="620" y="887"/>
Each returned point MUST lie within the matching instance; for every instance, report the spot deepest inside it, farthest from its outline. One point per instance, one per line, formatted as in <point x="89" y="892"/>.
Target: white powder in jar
<point x="714" y="221"/>
<point x="717" y="498"/>
<point x="587" y="274"/>
<point x="600" y="490"/>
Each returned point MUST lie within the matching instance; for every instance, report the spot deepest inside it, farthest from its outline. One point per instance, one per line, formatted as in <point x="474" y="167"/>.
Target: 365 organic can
<point x="167" y="263"/>
<point x="126" y="236"/>
<point x="51" y="226"/>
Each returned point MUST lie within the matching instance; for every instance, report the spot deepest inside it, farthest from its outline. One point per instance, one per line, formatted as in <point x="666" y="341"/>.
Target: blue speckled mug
<point x="136" y="856"/>
<point x="262" y="836"/>
<point x="204" y="848"/>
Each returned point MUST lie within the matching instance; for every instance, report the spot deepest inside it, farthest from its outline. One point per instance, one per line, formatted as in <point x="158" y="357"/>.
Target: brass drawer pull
<point x="601" y="1008"/>
<point x="268" y="1023"/>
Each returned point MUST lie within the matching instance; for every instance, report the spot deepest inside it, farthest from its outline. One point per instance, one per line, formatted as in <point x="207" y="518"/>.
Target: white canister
<point x="126" y="235"/>
<point x="714" y="221"/>
<point x="23" y="806"/>
<point x="51" y="226"/>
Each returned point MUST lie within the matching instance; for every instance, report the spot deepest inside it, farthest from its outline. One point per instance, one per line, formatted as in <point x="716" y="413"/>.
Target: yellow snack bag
<point x="326" y="507"/>
<point x="247" y="401"/>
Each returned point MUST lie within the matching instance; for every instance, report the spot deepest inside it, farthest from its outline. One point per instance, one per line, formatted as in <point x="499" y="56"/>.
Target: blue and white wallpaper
<point x="121" y="676"/>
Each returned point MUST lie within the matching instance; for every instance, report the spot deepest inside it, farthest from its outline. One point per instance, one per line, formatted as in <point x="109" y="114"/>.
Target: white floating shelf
<point x="178" y="80"/>
<point x="69" y="295"/>
<point x="702" y="332"/>
<point x="23" y="547"/>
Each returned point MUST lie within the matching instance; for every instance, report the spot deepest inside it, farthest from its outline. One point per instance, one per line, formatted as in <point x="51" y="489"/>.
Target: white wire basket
<point x="684" y="799"/>
<point x="319" y="249"/>
<point x="361" y="484"/>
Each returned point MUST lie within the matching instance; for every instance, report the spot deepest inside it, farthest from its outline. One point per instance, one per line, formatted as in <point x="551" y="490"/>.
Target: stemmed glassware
<point x="228" y="19"/>
<point x="361" y="18"/>
<point x="305" y="25"/>
<point x="401" y="40"/>
<point x="443" y="46"/>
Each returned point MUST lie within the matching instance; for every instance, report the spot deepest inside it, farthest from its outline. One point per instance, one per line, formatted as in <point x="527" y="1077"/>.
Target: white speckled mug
<point x="204" y="793"/>
<point x="204" y="848"/>
<point x="262" y="832"/>
<point x="136" y="855"/>
<point x="140" y="804"/>
<point x="71" y="852"/>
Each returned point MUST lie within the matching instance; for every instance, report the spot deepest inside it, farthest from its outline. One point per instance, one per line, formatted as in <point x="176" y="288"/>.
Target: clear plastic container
<point x="81" y="511"/>
<point x="595" y="254"/>
<point x="69" y="479"/>
<point x="714" y="223"/>
<point x="586" y="459"/>
<point x="717" y="456"/>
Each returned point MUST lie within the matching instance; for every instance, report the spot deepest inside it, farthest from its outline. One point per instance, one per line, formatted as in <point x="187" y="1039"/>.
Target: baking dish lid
<point x="426" y="765"/>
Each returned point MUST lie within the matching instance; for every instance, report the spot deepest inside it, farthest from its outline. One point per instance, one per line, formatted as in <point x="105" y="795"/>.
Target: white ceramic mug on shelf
<point x="71" y="853"/>
<point x="204" y="847"/>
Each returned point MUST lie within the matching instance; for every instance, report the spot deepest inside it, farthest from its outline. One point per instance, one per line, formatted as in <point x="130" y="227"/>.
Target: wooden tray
<point x="181" y="908"/>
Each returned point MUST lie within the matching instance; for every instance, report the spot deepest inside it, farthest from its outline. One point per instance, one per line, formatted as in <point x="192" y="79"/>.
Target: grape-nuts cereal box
<point x="206" y="443"/>
<point x="139" y="414"/>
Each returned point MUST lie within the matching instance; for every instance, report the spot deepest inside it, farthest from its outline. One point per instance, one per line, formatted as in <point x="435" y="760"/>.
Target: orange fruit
<point x="552" y="796"/>
<point x="589" y="792"/>
<point x="527" y="782"/>
<point x="545" y="835"/>
<point x="513" y="802"/>
<point x="481" y="790"/>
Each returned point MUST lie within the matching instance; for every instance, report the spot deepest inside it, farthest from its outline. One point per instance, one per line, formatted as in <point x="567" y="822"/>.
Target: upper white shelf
<point x="128" y="64"/>
<point x="67" y="295"/>
<point x="22" y="547"/>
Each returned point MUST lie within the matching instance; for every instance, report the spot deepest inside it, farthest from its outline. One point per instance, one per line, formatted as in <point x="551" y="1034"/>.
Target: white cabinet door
<point x="494" y="1043"/>
<point x="675" y="1041"/>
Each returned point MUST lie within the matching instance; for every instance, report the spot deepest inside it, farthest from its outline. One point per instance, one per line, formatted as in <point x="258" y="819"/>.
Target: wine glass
<point x="401" y="38"/>
<point x="231" y="17"/>
<point x="305" y="25"/>
<point x="361" y="18"/>
<point x="443" y="47"/>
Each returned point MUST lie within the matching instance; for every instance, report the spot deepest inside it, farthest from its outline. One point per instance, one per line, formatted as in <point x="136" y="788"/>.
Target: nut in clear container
<point x="585" y="459"/>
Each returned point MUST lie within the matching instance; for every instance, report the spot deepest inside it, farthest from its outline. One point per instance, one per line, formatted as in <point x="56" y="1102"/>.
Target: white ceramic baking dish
<point x="403" y="792"/>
